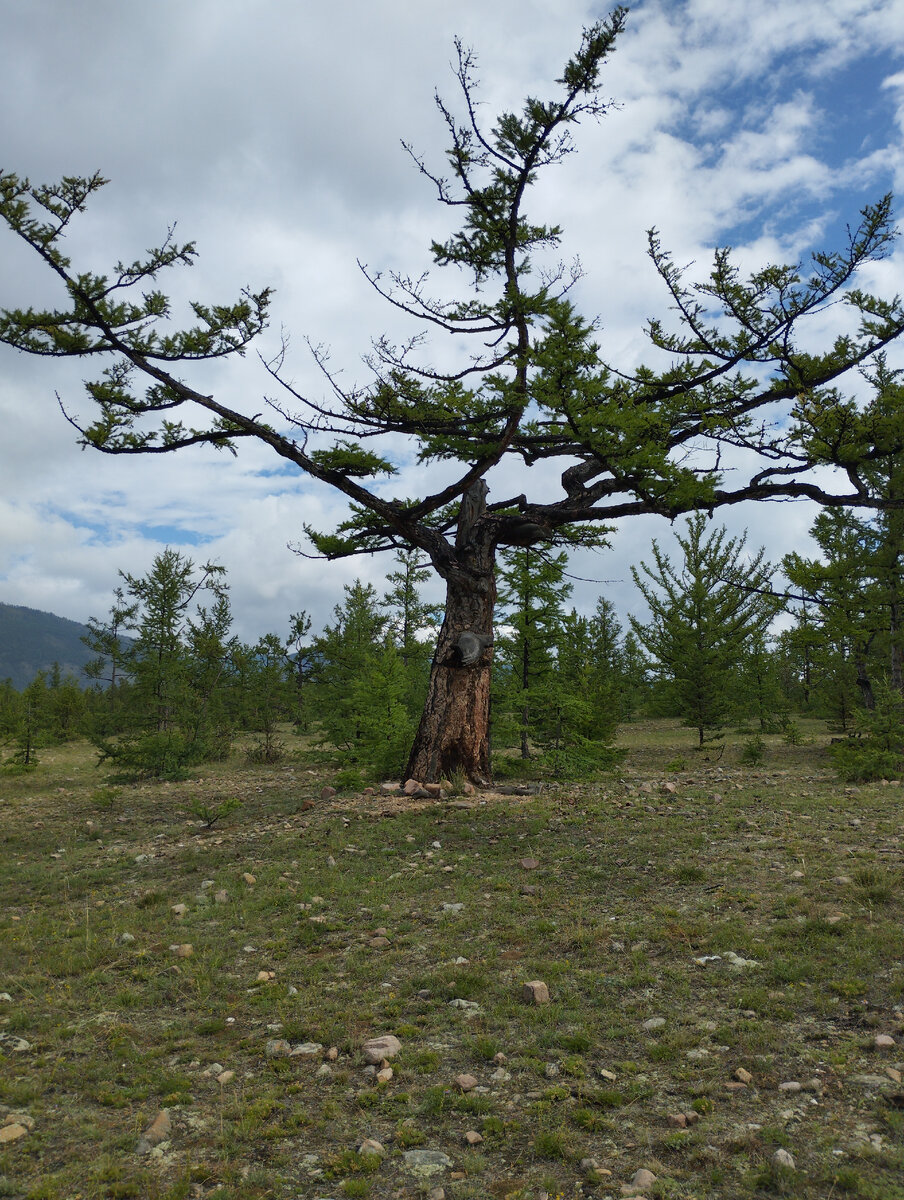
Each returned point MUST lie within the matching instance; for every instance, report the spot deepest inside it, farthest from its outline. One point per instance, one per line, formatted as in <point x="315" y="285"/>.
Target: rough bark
<point x="453" y="735"/>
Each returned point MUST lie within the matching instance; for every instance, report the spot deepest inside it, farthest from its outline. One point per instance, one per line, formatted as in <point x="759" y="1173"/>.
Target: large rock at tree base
<point x="378" y="1048"/>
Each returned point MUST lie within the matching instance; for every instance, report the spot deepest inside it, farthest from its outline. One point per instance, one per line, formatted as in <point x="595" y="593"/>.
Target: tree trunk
<point x="453" y="735"/>
<point x="454" y="732"/>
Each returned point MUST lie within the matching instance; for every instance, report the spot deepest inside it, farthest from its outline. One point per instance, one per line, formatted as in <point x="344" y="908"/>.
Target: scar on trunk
<point x="471" y="646"/>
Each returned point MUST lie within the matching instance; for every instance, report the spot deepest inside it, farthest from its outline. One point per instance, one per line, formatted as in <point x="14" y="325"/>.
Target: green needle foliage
<point x="704" y="615"/>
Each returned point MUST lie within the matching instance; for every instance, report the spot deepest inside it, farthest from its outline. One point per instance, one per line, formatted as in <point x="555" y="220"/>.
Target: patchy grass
<point x="675" y="857"/>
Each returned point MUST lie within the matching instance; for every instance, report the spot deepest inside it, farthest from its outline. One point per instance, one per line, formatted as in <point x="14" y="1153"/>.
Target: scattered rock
<point x="307" y="1050"/>
<point x="327" y="792"/>
<point x="221" y="896"/>
<point x="783" y="1160"/>
<point x="277" y="1048"/>
<point x="265" y="976"/>
<point x="465" y="1082"/>
<point x="226" y="1077"/>
<point x="186" y="950"/>
<point x="179" y="911"/>
<point x="380" y="943"/>
<point x="436" y="1193"/>
<point x="678" y="1120"/>
<point x="604" y="1074"/>
<point x="384" y="1075"/>
<point x="528" y="864"/>
<point x="20" y="1118"/>
<point x="868" y="1081"/>
<point x="454" y="907"/>
<point x="125" y="938"/>
<point x="791" y="1086"/>
<point x="735" y="1085"/>
<point x="332" y="1054"/>
<point x="12" y="1041"/>
<point x="426" y="1162"/>
<point x="642" y="1179"/>
<point x="372" y="1146"/>
<point x="158" y="1131"/>
<point x="653" y="1023"/>
<point x="473" y="1138"/>
<point x="250" y="879"/>
<point x="884" y="1041"/>
<point x="12" y="1132"/>
<point x="470" y="1007"/>
<point x="415" y="789"/>
<point x="378" y="1048"/>
<point x="535" y="992"/>
<point x="743" y="1075"/>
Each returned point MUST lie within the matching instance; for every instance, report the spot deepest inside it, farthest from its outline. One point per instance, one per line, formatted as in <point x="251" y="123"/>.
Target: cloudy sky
<point x="270" y="131"/>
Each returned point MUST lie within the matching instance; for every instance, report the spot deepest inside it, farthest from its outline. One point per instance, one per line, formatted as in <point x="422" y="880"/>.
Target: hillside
<point x="31" y="641"/>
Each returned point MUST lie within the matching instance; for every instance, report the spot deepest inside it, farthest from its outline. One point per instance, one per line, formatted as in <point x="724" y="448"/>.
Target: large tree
<point x="531" y="388"/>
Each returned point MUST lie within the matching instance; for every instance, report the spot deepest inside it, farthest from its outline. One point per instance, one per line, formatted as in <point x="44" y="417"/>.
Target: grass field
<point x="323" y="925"/>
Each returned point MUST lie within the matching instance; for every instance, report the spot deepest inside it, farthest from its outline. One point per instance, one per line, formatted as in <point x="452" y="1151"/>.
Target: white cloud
<point x="272" y="133"/>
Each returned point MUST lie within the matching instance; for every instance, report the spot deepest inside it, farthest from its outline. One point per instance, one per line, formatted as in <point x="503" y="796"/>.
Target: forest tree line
<point x="172" y="686"/>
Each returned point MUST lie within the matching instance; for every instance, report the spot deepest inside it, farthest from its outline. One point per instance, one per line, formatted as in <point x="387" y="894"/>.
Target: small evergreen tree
<point x="703" y="616"/>
<point x="175" y="665"/>
<point x="531" y="594"/>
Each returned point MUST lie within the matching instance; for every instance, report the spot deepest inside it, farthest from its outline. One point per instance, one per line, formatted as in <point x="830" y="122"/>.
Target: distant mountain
<point x="32" y="641"/>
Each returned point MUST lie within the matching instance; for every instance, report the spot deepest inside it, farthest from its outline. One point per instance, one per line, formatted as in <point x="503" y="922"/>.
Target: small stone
<point x="179" y="911"/>
<point x="643" y="1179"/>
<point x="604" y="1074"/>
<point x="307" y="1050"/>
<point x="277" y="1048"/>
<point x="535" y="992"/>
<point x="465" y="1083"/>
<point x="378" y="1048"/>
<point x="473" y="1138"/>
<point x="186" y="950"/>
<point x="265" y="976"/>
<point x="528" y="864"/>
<point x="678" y="1120"/>
<point x="783" y="1160"/>
<point x="500" y="1075"/>
<point x="743" y="1075"/>
<point x="324" y="1070"/>
<point x="12" y="1133"/>
<point x="20" y="1118"/>
<point x="653" y="1023"/>
<point x="791" y="1086"/>
<point x="372" y="1146"/>
<point x="893" y="1074"/>
<point x="125" y="938"/>
<point x="380" y="943"/>
<point x="332" y="1054"/>
<point x="158" y="1131"/>
<point x="500" y="1059"/>
<point x="691" y="1117"/>
<point x="249" y="878"/>
<point x="330" y="861"/>
<point x="226" y="1077"/>
<point x="384" y="1075"/>
<point x="884" y="1041"/>
<point x="735" y="1085"/>
<point x="327" y="793"/>
<point x="221" y="896"/>
<point x="214" y="1069"/>
<point x="842" y="880"/>
<point x="426" y="1162"/>
<point x="589" y="1164"/>
<point x="436" y="1193"/>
